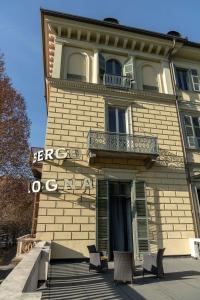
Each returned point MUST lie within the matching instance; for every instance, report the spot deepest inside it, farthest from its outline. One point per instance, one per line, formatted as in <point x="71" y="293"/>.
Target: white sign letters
<point x="60" y="153"/>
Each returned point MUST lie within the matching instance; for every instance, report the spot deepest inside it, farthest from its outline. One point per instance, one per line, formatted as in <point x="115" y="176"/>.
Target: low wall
<point x="22" y="282"/>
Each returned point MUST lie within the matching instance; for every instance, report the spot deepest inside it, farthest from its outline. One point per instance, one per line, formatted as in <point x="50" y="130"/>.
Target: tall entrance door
<point x="120" y="217"/>
<point x="122" y="222"/>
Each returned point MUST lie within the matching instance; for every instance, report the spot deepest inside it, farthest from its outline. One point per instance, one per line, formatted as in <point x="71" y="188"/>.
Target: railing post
<point x="19" y="246"/>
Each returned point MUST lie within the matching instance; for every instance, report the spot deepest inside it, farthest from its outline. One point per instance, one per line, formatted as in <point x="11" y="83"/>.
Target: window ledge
<point x="193" y="149"/>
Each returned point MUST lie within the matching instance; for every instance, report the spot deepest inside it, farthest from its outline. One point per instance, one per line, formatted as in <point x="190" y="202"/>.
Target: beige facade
<point x="80" y="104"/>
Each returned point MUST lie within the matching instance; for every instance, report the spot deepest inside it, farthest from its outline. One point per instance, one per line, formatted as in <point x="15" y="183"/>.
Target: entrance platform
<point x="73" y="281"/>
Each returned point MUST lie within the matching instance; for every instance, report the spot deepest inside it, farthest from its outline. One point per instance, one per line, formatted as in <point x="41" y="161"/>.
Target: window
<point x="113" y="67"/>
<point x="113" y="73"/>
<point x="182" y="79"/>
<point x="77" y="67"/>
<point x="116" y="119"/>
<point x="195" y="80"/>
<point x="192" y="128"/>
<point x="187" y="79"/>
<point x="149" y="78"/>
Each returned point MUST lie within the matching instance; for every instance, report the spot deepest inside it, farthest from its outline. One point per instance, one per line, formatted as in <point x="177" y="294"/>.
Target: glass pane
<point x="125" y="188"/>
<point x="187" y="120"/>
<point x="109" y="67"/>
<point x="198" y="193"/>
<point x="195" y="79"/>
<point x="178" y="73"/>
<point x="197" y="87"/>
<point x="102" y="64"/>
<point x="114" y="188"/>
<point x="111" y="119"/>
<point x="198" y="142"/>
<point x="197" y="131"/>
<point x="189" y="131"/>
<point x="121" y="119"/>
<point x="194" y="72"/>
<point x="113" y="67"/>
<point x="195" y="121"/>
<point x="182" y="79"/>
<point x="117" y="68"/>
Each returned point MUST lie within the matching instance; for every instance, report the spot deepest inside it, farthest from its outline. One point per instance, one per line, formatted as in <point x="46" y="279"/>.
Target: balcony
<point x="107" y="144"/>
<point x="121" y="82"/>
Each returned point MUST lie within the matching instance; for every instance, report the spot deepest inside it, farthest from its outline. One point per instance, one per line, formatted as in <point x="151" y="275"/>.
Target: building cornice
<point x="58" y="29"/>
<point x="103" y="90"/>
<point x="114" y="26"/>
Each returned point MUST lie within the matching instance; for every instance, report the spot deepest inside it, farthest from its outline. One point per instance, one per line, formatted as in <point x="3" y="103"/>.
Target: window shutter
<point x="174" y="74"/>
<point x="102" y="216"/>
<point x="102" y="65"/>
<point x="195" y="80"/>
<point x="177" y="79"/>
<point x="191" y="139"/>
<point x="128" y="69"/>
<point x="141" y="218"/>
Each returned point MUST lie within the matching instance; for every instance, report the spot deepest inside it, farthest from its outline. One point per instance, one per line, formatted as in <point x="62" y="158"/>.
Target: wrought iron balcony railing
<point x="118" y="81"/>
<point x="120" y="142"/>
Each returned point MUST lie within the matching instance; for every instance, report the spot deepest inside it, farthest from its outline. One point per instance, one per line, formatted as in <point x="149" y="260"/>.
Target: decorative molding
<point x="89" y="36"/>
<point x="117" y="174"/>
<point x="104" y="90"/>
<point x="189" y="105"/>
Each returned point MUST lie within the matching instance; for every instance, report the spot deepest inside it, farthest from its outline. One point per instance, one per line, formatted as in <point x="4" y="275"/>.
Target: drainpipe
<point x="185" y="157"/>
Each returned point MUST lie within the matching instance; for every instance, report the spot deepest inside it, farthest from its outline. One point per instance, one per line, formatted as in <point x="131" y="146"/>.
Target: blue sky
<point x="20" y="38"/>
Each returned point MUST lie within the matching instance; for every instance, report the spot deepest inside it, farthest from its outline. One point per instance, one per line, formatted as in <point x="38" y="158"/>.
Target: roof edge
<point x="118" y="26"/>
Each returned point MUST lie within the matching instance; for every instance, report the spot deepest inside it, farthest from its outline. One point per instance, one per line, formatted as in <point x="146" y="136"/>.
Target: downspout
<point x="185" y="157"/>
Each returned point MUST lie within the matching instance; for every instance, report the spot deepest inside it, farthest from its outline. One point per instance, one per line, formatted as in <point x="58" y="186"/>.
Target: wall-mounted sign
<point x="51" y="185"/>
<point x="60" y="153"/>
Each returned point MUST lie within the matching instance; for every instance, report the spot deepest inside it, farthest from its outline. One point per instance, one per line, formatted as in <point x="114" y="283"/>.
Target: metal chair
<point x="153" y="263"/>
<point x="123" y="266"/>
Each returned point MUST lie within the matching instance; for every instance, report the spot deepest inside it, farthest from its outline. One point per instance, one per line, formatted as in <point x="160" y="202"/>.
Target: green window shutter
<point x="141" y="218"/>
<point x="128" y="69"/>
<point x="102" y="216"/>
<point x="195" y="80"/>
<point x="102" y="66"/>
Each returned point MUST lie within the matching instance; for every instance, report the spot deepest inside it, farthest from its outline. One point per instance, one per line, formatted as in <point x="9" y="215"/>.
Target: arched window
<point x="149" y="78"/>
<point x="113" y="67"/>
<point x="77" y="67"/>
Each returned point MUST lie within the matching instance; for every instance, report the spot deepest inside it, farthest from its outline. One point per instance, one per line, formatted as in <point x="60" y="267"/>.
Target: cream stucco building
<point x="119" y="96"/>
